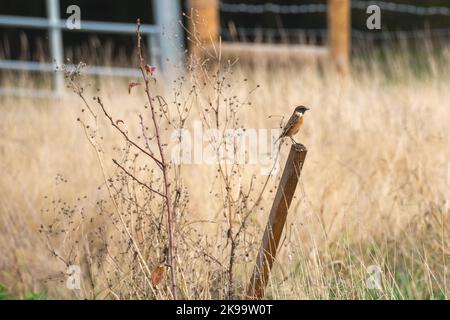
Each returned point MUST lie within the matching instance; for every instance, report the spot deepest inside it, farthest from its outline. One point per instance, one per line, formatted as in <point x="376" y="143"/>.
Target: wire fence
<point x="271" y="34"/>
<point x="271" y="8"/>
<point x="318" y="8"/>
<point x="55" y="24"/>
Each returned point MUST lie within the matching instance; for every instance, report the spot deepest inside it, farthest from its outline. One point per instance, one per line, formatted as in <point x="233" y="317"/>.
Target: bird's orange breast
<point x="296" y="127"/>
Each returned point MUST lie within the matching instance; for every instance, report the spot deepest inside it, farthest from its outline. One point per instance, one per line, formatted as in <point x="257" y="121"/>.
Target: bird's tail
<point x="279" y="138"/>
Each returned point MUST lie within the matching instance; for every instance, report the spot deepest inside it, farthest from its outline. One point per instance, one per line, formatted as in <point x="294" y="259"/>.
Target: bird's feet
<point x="298" y="145"/>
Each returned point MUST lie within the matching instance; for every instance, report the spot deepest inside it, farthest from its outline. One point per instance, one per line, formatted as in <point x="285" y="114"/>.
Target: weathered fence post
<point x="277" y="220"/>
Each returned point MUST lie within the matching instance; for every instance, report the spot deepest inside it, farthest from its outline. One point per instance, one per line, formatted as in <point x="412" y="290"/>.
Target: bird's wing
<point x="289" y="125"/>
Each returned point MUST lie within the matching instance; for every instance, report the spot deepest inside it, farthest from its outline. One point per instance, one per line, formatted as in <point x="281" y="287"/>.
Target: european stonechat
<point x="294" y="124"/>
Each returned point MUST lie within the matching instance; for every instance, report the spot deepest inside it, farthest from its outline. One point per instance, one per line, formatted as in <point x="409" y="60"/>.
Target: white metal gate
<point x="167" y="15"/>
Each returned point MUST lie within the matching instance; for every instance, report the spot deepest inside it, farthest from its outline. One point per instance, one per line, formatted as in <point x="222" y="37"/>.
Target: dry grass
<point x="374" y="190"/>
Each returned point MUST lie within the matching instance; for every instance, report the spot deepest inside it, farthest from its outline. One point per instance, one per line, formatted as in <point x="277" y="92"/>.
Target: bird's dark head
<point x="301" y="109"/>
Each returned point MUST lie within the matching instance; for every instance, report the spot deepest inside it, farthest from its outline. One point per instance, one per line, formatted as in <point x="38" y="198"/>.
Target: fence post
<point x="339" y="28"/>
<point x="207" y="28"/>
<point x="56" y="43"/>
<point x="276" y="222"/>
<point x="167" y="15"/>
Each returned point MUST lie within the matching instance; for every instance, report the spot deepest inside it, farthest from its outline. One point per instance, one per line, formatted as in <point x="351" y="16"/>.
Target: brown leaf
<point x="150" y="69"/>
<point x="157" y="275"/>
<point x="131" y="85"/>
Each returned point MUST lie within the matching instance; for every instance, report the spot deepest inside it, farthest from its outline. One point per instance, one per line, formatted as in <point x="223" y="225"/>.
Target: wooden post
<point x="339" y="28"/>
<point x="207" y="24"/>
<point x="277" y="220"/>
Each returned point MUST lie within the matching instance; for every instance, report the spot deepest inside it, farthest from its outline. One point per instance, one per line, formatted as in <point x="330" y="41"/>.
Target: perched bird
<point x="294" y="124"/>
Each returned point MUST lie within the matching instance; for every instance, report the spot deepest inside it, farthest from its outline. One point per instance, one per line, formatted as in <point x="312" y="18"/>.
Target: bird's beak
<point x="306" y="109"/>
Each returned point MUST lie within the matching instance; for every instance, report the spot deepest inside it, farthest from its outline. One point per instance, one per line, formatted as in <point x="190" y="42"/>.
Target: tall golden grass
<point x="374" y="188"/>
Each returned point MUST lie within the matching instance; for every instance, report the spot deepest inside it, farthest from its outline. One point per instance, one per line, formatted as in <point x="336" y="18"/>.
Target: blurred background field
<point x="374" y="189"/>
